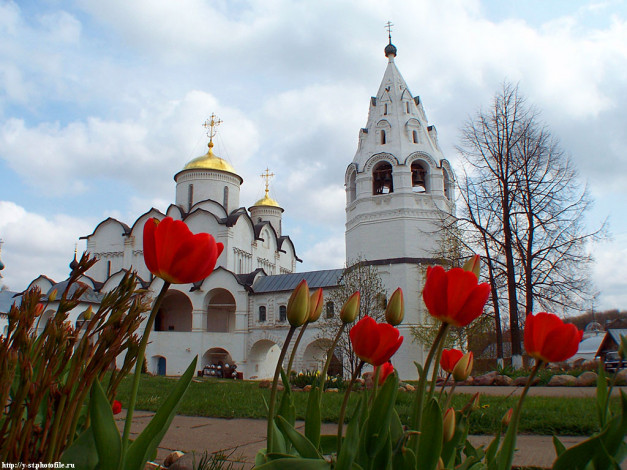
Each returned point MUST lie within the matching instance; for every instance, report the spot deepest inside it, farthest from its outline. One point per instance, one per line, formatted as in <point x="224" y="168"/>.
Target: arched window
<point x="190" y="196"/>
<point x="414" y="135"/>
<point x="282" y="313"/>
<point x="382" y="137"/>
<point x="418" y="178"/>
<point x="448" y="187"/>
<point x="262" y="314"/>
<point x="330" y="307"/>
<point x="226" y="197"/>
<point x="352" y="188"/>
<point x="382" y="182"/>
<point x="385" y="109"/>
<point x="407" y="106"/>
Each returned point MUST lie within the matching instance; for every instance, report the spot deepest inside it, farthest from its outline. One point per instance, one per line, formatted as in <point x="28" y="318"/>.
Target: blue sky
<point x="101" y="103"/>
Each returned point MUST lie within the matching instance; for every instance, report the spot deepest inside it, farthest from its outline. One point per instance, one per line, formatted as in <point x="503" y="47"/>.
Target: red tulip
<point x="449" y="359"/>
<point x="384" y="370"/>
<point x="549" y="339"/>
<point x="173" y="253"/>
<point x="374" y="343"/>
<point x="116" y="407"/>
<point x="454" y="296"/>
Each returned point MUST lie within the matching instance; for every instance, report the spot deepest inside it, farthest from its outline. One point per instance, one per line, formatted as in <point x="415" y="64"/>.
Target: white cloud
<point x="610" y="272"/>
<point x="35" y="244"/>
<point x="329" y="253"/>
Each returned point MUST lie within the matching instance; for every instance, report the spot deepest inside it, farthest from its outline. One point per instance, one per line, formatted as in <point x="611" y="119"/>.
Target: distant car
<point x="614" y="362"/>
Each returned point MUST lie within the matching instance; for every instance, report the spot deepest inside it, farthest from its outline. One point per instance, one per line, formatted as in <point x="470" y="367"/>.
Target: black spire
<point x="390" y="49"/>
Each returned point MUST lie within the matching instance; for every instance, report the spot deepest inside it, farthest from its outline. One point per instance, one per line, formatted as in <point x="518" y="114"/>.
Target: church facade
<point x="398" y="188"/>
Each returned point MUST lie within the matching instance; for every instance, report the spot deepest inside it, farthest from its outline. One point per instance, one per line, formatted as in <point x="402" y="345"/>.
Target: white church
<point x="398" y="186"/>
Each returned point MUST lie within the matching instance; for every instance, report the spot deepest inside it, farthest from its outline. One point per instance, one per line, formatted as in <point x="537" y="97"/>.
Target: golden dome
<point x="209" y="161"/>
<point x="266" y="201"/>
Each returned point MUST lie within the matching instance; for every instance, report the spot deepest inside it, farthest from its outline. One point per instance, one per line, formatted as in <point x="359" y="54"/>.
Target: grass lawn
<point x="243" y="399"/>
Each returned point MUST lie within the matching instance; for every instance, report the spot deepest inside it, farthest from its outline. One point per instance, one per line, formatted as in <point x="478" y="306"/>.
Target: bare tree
<point x="362" y="277"/>
<point x="524" y="208"/>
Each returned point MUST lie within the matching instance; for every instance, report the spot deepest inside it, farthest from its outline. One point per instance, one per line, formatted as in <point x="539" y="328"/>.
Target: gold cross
<point x="267" y="175"/>
<point x="210" y="126"/>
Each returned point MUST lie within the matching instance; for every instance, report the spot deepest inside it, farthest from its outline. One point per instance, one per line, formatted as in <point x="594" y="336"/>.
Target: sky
<point x="101" y="103"/>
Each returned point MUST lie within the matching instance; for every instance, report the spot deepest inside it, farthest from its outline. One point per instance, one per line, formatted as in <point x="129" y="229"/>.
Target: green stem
<point x="416" y="422"/>
<point x="340" y="423"/>
<point x="512" y="429"/>
<point x="375" y="384"/>
<point x="289" y="364"/>
<point x="275" y="382"/>
<point x="330" y="351"/>
<point x="450" y="396"/>
<point x="138" y="366"/>
<point x="448" y="376"/>
<point x="436" y="369"/>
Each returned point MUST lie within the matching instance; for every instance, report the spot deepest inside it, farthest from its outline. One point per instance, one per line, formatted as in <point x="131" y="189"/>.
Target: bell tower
<point x="399" y="188"/>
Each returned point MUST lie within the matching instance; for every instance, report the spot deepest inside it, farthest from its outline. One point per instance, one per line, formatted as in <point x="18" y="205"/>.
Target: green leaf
<point x="430" y="444"/>
<point x="404" y="458"/>
<point x="302" y="445"/>
<point x="578" y="457"/>
<point x="291" y="464"/>
<point x="82" y="452"/>
<point x="613" y="437"/>
<point x="328" y="444"/>
<point x="278" y="440"/>
<point x="142" y="448"/>
<point x="350" y="443"/>
<point x="602" y="396"/>
<point x="559" y="447"/>
<point x="105" y="432"/>
<point x="396" y="428"/>
<point x="286" y="407"/>
<point x="261" y="457"/>
<point x="378" y="424"/>
<point x="313" y="418"/>
<point x="490" y="452"/>
<point x="383" y="459"/>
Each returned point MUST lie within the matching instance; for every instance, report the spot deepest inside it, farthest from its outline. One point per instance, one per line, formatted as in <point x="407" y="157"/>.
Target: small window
<point x="108" y="268"/>
<point x="382" y="182"/>
<point x="382" y="137"/>
<point x="407" y="106"/>
<point x="226" y="197"/>
<point x="414" y="135"/>
<point x="282" y="313"/>
<point x="385" y="109"/>
<point x="262" y="314"/>
<point x="330" y="309"/>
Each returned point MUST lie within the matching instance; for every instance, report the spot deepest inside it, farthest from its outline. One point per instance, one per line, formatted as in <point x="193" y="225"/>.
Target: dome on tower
<point x="266" y="201"/>
<point x="390" y="49"/>
<point x="210" y="161"/>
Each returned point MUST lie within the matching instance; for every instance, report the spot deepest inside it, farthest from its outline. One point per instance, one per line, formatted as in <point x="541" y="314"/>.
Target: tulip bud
<point x="440" y="464"/>
<point x="87" y="314"/>
<point x="473" y="264"/>
<point x="507" y="417"/>
<point x="448" y="428"/>
<point x="298" y="305"/>
<point x="315" y="306"/>
<point x="472" y="405"/>
<point x="52" y="296"/>
<point x="463" y="368"/>
<point x="395" y="311"/>
<point x="350" y="309"/>
<point x="39" y="309"/>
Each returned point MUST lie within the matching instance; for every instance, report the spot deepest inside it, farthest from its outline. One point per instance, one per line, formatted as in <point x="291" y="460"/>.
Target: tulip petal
<point x="150" y="250"/>
<point x="364" y="338"/>
<point x="434" y="292"/>
<point x="460" y="285"/>
<point x="473" y="307"/>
